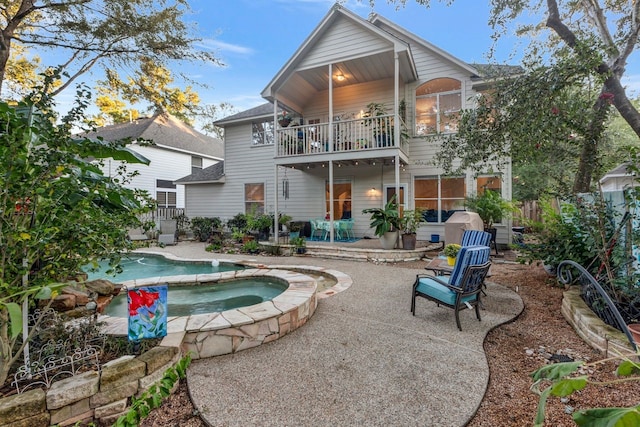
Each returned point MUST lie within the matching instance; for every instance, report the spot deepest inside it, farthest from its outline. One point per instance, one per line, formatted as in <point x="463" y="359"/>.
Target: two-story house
<point x="177" y="150"/>
<point x="354" y="117"/>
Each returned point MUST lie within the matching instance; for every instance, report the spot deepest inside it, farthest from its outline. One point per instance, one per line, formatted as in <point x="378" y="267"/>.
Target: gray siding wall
<point x="344" y="39"/>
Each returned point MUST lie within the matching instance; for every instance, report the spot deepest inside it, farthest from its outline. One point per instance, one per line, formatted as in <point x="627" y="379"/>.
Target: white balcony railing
<point x="348" y="135"/>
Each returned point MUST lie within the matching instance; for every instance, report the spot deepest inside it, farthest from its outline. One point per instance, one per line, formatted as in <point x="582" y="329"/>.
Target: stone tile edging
<point x="218" y="333"/>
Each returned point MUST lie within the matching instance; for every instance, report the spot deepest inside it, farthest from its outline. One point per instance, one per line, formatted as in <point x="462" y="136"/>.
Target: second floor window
<point x="438" y="103"/>
<point x="166" y="195"/>
<point x="196" y="164"/>
<point x="262" y="133"/>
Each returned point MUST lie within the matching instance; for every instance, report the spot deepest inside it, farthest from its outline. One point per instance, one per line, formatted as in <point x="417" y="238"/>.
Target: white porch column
<point x="396" y="119"/>
<point x="331" y="201"/>
<point x="331" y="133"/>
<point x="276" y="234"/>
<point x="276" y="216"/>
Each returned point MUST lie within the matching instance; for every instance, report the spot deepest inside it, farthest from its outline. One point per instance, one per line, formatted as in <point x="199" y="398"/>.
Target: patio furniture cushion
<point x="468" y="255"/>
<point x="475" y="237"/>
<point x="440" y="292"/>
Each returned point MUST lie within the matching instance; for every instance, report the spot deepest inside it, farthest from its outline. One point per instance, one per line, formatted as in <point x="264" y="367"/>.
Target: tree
<point x="210" y="113"/>
<point x="58" y="211"/>
<point x="149" y="83"/>
<point x="600" y="34"/>
<point x="113" y="33"/>
<point x="541" y="120"/>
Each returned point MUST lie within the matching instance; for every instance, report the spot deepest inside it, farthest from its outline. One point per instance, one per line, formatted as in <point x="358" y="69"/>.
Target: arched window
<point x="438" y="103"/>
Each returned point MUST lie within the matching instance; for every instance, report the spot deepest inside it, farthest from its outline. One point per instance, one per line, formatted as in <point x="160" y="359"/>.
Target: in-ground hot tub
<point x="228" y="331"/>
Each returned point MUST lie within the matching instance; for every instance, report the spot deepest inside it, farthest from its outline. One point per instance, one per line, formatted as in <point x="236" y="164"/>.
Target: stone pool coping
<point x="218" y="333"/>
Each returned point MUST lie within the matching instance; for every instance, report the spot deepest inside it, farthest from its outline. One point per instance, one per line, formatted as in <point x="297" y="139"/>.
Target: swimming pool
<point x="142" y="266"/>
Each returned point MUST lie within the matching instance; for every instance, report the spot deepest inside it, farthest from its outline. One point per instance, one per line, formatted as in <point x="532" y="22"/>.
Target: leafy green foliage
<point x="561" y="381"/>
<point x="490" y="206"/>
<point x="203" y="227"/>
<point x="123" y="34"/>
<point x="151" y="84"/>
<point x="250" y="246"/>
<point x="153" y="397"/>
<point x="564" y="236"/>
<point x="57" y="210"/>
<point x="384" y="219"/>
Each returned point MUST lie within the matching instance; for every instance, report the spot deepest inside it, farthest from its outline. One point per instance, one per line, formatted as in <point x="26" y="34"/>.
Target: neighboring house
<point x="619" y="178"/>
<point x="352" y="118"/>
<point x="177" y="150"/>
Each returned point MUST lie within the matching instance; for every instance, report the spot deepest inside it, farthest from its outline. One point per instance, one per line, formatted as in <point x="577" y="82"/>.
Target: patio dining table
<point x="342" y="228"/>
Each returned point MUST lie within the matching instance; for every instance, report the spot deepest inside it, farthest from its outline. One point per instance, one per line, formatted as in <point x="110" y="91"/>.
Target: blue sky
<point x="254" y="39"/>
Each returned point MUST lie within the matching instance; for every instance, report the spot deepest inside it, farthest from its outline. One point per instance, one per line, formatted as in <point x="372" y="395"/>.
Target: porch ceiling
<point x="315" y="162"/>
<point x="304" y="84"/>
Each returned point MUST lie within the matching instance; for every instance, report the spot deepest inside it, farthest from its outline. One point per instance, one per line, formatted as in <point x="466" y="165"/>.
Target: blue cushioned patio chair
<point x="475" y="237"/>
<point x="462" y="288"/>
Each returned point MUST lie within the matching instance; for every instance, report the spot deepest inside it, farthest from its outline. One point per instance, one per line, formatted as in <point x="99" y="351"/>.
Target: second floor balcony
<point x="368" y="134"/>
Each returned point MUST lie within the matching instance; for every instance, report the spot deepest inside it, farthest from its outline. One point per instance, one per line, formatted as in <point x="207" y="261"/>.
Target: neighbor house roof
<point x="167" y="132"/>
<point x="208" y="175"/>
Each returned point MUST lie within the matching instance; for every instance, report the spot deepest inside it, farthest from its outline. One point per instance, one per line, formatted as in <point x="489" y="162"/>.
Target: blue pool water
<point x="200" y="299"/>
<point x="143" y="266"/>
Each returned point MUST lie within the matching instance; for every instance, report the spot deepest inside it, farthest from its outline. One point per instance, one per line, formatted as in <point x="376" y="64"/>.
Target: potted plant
<point x="386" y="222"/>
<point x="451" y="252"/>
<point x="284" y="119"/>
<point x="409" y="223"/>
<point x="300" y="244"/>
<point x="294" y="228"/>
<point x="491" y="208"/>
<point x="380" y="131"/>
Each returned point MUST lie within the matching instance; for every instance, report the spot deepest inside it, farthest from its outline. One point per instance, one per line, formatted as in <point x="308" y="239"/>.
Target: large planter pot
<point x="409" y="241"/>
<point x="389" y="239"/>
<point x="634" y="328"/>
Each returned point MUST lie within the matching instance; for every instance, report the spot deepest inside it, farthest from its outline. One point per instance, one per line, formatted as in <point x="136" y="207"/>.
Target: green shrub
<point x="251" y="246"/>
<point x="238" y="222"/>
<point x="203" y="227"/>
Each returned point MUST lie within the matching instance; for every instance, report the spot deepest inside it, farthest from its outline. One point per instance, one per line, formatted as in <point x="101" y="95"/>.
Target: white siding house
<point x="337" y="155"/>
<point x="177" y="150"/>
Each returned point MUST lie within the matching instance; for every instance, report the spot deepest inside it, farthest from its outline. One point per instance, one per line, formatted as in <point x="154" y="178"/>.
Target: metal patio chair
<point x="462" y="289"/>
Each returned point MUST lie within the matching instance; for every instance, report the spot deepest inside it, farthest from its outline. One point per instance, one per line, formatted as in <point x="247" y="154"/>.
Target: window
<point x="493" y="183"/>
<point x="439" y="197"/>
<point x="254" y="198"/>
<point x="390" y="191"/>
<point x="262" y="133"/>
<point x="438" y="103"/>
<point x="341" y="199"/>
<point x="196" y="164"/>
<point x="165" y="193"/>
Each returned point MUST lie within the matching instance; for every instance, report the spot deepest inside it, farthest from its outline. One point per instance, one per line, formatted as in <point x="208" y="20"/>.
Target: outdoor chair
<point x="460" y="290"/>
<point x="475" y="237"/>
<point x="316" y="229"/>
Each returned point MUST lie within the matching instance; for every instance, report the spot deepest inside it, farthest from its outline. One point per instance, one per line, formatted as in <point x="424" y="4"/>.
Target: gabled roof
<point x="167" y="132"/>
<point x="338" y="12"/>
<point x="261" y="111"/>
<point x="622" y="170"/>
<point x="208" y="175"/>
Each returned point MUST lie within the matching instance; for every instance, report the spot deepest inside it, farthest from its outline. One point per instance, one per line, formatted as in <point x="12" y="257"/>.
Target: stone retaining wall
<point x="92" y="396"/>
<point x="599" y="335"/>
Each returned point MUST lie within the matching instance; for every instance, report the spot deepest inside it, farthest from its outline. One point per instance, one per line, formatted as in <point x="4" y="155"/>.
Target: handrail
<point x="565" y="277"/>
